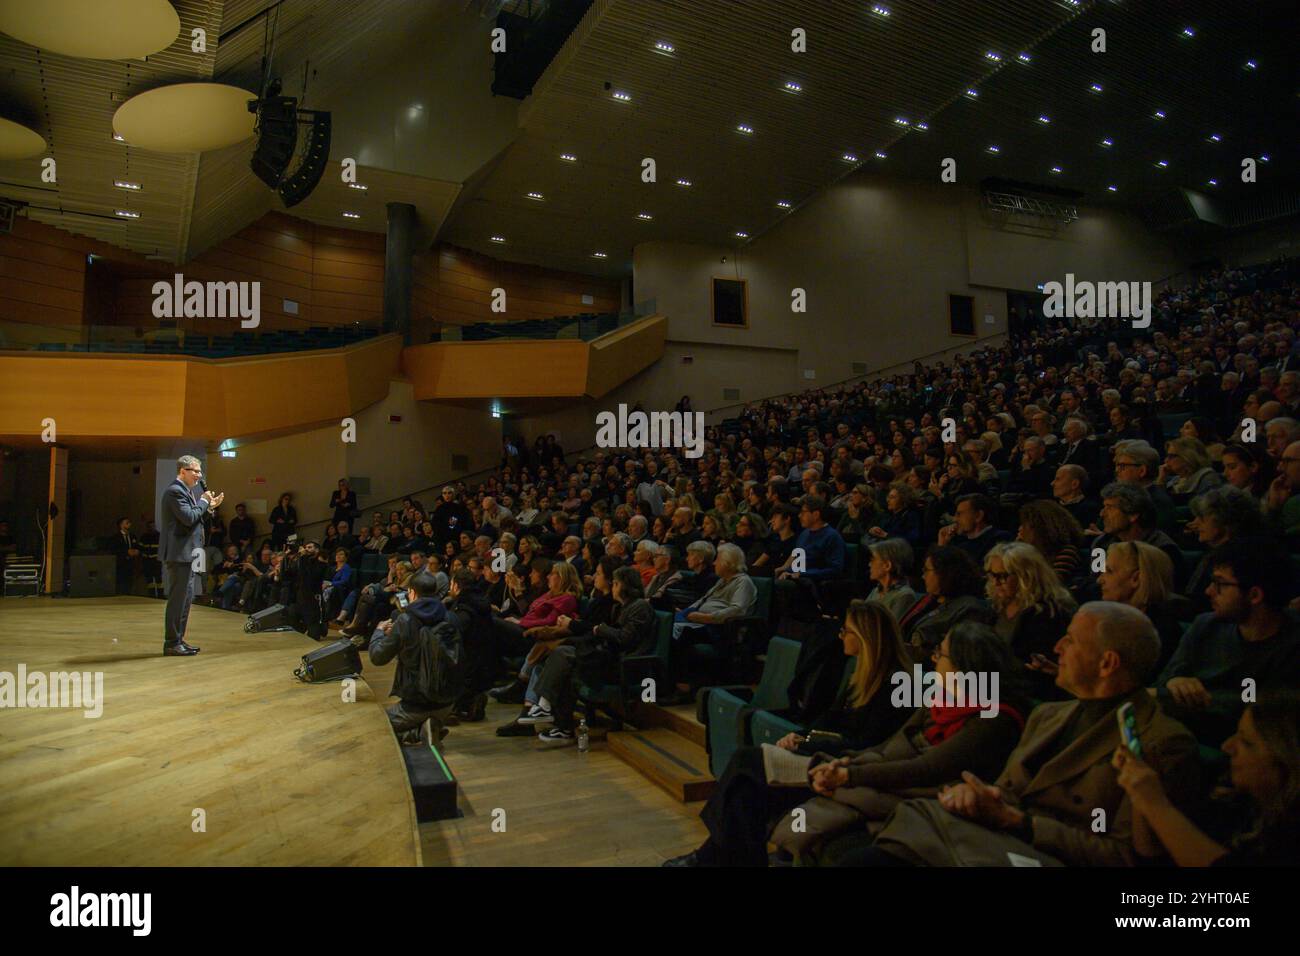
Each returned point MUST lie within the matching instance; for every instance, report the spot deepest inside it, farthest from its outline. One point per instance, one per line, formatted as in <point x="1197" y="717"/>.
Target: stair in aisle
<point x="668" y="749"/>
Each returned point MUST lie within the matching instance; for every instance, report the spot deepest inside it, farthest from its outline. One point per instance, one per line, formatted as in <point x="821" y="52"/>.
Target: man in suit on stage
<point x="182" y="537"/>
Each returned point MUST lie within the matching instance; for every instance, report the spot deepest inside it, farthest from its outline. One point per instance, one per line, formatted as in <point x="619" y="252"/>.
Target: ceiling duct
<point x="534" y="34"/>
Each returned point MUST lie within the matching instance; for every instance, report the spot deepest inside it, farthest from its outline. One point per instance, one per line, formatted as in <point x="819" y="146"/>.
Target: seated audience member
<point x="1077" y="448"/>
<point x="433" y="564"/>
<point x="751" y="537"/>
<point x="1280" y="432"/>
<point x="1033" y="608"/>
<point x="227" y="582"/>
<point x="346" y="539"/>
<point x="643" y="560"/>
<point x="973" y="531"/>
<point x="1250" y="470"/>
<point x="1187" y="471"/>
<point x="954" y="592"/>
<point x="374" y="600"/>
<point x="740" y="812"/>
<point x="683" y="531"/>
<point x="1056" y="534"/>
<point x="513" y="633"/>
<point x="1069" y="487"/>
<point x="820" y="555"/>
<point x="900" y="519"/>
<point x="725" y="514"/>
<point x="1218" y="516"/>
<point x="889" y="569"/>
<point x="1044" y="804"/>
<point x="664" y="574"/>
<point x="253" y="569"/>
<point x="682" y="589"/>
<point x="1141" y="575"/>
<point x="859" y="788"/>
<point x="342" y="580"/>
<point x="733" y="595"/>
<point x="284" y="521"/>
<point x="1265" y="784"/>
<point x="1127" y="514"/>
<point x="1248" y="641"/>
<point x="785" y="531"/>
<point x="592" y="658"/>
<point x="1282" y="504"/>
<point x="1138" y="464"/>
<point x="1031" y="473"/>
<point x="711" y="531"/>
<point x="860" y="513"/>
<point x="405" y="637"/>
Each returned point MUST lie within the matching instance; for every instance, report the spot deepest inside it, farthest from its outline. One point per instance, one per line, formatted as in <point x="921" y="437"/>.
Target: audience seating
<point x="726" y="710"/>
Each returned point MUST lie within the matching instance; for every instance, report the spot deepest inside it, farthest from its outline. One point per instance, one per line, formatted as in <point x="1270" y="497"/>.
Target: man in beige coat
<point x="1058" y="799"/>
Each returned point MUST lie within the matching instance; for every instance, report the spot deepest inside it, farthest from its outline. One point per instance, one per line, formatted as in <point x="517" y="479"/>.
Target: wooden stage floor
<point x="287" y="773"/>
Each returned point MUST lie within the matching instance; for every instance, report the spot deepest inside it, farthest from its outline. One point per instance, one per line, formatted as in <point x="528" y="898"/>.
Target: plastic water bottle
<point x="584" y="740"/>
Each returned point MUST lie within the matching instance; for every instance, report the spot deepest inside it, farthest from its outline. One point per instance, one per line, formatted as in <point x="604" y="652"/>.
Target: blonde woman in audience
<point x="725" y="514"/>
<point x="1187" y="471"/>
<point x="1033" y="608"/>
<point x="1142" y="576"/>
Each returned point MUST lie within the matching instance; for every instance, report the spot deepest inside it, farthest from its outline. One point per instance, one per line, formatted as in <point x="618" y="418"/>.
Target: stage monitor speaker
<point x="333" y="661"/>
<point x="273" y="618"/>
<point x="92" y="575"/>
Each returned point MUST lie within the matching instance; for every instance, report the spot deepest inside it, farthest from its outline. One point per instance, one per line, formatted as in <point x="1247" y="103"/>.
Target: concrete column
<point x="397" y="268"/>
<point x="58" y="520"/>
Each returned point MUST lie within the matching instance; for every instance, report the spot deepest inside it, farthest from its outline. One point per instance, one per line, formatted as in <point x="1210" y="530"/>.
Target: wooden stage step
<point x="678" y="765"/>
<point x="680" y="719"/>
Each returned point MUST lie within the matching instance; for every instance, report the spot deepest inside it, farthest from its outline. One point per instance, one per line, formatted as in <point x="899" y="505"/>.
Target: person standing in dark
<point x="344" y="502"/>
<point x="450" y="518"/>
<point x="180" y="541"/>
<point x="241" y="530"/>
<point x="310" y="571"/>
<point x="127" y="550"/>
<point x="284" y="521"/>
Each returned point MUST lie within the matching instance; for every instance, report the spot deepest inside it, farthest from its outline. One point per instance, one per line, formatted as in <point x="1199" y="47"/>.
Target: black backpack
<point x="442" y="662"/>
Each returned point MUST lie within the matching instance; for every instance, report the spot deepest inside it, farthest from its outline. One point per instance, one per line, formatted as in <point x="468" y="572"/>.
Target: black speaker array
<point x="298" y="187"/>
<point x="277" y="129"/>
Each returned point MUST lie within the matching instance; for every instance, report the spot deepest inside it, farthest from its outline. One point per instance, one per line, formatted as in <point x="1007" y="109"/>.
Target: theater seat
<point x="727" y="710"/>
<point x="634" y="670"/>
<point x="767" y="728"/>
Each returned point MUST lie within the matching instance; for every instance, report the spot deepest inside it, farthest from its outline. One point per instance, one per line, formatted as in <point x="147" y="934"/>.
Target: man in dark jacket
<point x="471" y="611"/>
<point x="450" y="518"/>
<point x="403" y="637"/>
<point x="309" y="572"/>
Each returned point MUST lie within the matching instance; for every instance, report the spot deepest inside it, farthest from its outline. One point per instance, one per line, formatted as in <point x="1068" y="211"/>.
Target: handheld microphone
<point x="203" y="485"/>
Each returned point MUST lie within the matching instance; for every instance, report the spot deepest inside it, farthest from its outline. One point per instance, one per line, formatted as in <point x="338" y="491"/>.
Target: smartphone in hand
<point x="1128" y="729"/>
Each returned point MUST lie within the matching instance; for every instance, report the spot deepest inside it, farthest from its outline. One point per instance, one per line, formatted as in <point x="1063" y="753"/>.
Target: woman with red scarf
<point x="931" y="749"/>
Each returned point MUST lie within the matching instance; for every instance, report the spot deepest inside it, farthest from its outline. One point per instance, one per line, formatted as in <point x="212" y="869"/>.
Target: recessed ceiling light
<point x="880" y="155"/>
<point x="793" y="87"/>
<point x="1056" y="170"/>
<point x="662" y="47"/>
<point x="742" y="235"/>
<point x="783" y="204"/>
<point x="358" y="186"/>
<point x="498" y="238"/>
<point x="880" y="11"/>
<point x="994" y="149"/>
<point x="598" y="255"/>
<point x="126" y="214"/>
<point x="536" y="197"/>
<point x="742" y="128"/>
<point x="1215" y="138"/>
<point x="1212" y="182"/>
<point x="568" y="157"/>
<point x="1188" y="32"/>
<point x="117" y="138"/>
<point x="1263" y="157"/>
<point x="352" y="215"/>
<point x="972" y="93"/>
<point x="1023" y="57"/>
<point x="684" y="182"/>
<point x="123" y="184"/>
<point x="921" y="126"/>
<point x="1250" y="65"/>
<point x="1044" y="119"/>
<point x="1095" y="87"/>
<point x="995" y="57"/>
<point x="1108" y="142"/>
<point x="849" y="158"/>
<point x="644" y="216"/>
<point x="1159" y="114"/>
<point x="1072" y="3"/>
<point x="1162" y="164"/>
<point x="1112" y="189"/>
<point x="901" y="121"/>
<point x="621" y="96"/>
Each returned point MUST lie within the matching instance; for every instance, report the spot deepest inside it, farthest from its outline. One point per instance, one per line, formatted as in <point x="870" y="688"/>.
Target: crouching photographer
<point x="429" y="661"/>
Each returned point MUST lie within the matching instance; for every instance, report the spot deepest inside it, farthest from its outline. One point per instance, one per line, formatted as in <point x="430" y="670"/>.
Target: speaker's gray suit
<point x="182" y="535"/>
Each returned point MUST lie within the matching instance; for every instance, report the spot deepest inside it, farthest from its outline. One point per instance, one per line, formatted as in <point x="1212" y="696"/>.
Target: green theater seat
<point x="727" y="710"/>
